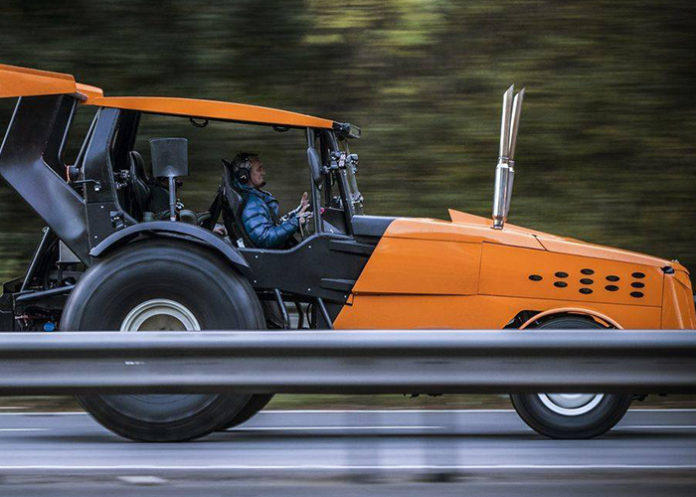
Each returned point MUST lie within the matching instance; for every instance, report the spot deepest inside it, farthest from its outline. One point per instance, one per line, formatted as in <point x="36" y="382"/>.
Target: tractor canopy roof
<point x="24" y="82"/>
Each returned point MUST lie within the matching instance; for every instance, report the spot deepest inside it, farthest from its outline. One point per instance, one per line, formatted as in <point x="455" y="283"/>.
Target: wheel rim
<point x="571" y="404"/>
<point x="160" y="315"/>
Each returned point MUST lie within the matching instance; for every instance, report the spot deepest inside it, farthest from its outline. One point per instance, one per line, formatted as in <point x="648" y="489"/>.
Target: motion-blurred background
<point x="606" y="148"/>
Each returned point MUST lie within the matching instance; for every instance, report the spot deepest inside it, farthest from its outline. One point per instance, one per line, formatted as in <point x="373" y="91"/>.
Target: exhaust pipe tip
<point x="505" y="170"/>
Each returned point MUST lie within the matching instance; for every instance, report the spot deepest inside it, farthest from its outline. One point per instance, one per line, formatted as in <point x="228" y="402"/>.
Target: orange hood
<point x="465" y="227"/>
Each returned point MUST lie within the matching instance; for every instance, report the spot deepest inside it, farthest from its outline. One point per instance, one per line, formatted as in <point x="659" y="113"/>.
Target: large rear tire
<point x="571" y="416"/>
<point x="162" y="285"/>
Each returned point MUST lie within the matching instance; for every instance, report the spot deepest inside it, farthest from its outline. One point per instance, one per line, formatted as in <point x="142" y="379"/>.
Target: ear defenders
<point x="242" y="167"/>
<point x="242" y="175"/>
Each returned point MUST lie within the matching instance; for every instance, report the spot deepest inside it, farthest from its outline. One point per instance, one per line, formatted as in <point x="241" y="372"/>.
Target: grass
<point x="290" y="402"/>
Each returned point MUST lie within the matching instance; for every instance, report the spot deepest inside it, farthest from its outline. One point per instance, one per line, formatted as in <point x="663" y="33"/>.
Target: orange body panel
<point x="506" y="271"/>
<point x="426" y="273"/>
<point x="677" y="302"/>
<point x="597" y="316"/>
<point x="584" y="249"/>
<point x="24" y="82"/>
<point x="435" y="229"/>
<point x="468" y="312"/>
<point x="89" y="91"/>
<point x="394" y="275"/>
<point x="212" y="109"/>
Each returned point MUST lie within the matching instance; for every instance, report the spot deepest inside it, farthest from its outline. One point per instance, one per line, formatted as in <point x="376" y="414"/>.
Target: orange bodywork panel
<point x="468" y="312"/>
<point x="677" y="302"/>
<point x="392" y="268"/>
<point x="435" y="229"/>
<point x="89" y="91"/>
<point x="24" y="82"/>
<point x="513" y="271"/>
<point x="576" y="247"/>
<point x="212" y="109"/>
<point x="427" y="273"/>
<point x="582" y="311"/>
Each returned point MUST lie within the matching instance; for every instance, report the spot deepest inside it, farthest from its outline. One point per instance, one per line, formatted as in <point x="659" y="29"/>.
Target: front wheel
<point x="256" y="403"/>
<point x="571" y="415"/>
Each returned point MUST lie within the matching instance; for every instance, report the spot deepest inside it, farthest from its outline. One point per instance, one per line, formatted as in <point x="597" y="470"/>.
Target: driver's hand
<point x="304" y="217"/>
<point x="304" y="202"/>
<point x="302" y="214"/>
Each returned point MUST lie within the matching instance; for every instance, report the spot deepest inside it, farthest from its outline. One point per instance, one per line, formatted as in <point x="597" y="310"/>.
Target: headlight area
<point x="678" y="310"/>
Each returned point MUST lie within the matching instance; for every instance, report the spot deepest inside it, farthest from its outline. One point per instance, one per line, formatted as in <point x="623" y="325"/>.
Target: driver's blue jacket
<point x="261" y="220"/>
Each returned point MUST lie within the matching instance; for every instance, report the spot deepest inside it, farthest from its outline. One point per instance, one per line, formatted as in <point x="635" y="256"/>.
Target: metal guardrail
<point x="349" y="362"/>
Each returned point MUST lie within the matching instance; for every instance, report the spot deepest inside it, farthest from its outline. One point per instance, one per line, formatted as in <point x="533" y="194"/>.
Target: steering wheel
<point x="307" y="229"/>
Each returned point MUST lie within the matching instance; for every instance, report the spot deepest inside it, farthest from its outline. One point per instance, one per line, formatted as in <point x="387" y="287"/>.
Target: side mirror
<point x="169" y="160"/>
<point x="314" y="165"/>
<point x="169" y="157"/>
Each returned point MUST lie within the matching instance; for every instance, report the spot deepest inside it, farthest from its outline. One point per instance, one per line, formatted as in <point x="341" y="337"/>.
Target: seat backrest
<point x="232" y="207"/>
<point x="139" y="183"/>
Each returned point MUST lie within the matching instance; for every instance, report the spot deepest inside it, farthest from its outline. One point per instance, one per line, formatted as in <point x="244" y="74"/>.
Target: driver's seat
<point x="232" y="207"/>
<point x="139" y="184"/>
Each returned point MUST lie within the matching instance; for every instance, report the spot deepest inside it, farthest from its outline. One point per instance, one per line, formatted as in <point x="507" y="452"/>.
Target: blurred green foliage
<point x="606" y="148"/>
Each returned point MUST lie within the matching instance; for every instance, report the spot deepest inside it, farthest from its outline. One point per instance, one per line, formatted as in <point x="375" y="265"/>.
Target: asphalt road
<point x="281" y="452"/>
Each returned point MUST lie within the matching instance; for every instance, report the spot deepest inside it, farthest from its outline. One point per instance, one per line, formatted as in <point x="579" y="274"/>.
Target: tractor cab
<point x="145" y="191"/>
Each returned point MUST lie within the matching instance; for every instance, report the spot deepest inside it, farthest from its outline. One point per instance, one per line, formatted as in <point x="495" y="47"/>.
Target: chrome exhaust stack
<point x="505" y="170"/>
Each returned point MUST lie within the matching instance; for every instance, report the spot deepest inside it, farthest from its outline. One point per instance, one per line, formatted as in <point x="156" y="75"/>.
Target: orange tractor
<point x="120" y="252"/>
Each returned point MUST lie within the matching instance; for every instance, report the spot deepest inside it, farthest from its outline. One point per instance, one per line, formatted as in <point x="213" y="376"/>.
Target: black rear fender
<point x="164" y="229"/>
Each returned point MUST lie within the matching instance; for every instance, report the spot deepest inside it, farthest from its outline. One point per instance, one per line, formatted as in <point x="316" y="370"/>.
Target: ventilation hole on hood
<point x="637" y="294"/>
<point x="587" y="271"/>
<point x="611" y="288"/>
<point x="586" y="281"/>
<point x="612" y="277"/>
<point x="561" y="274"/>
<point x="535" y="277"/>
<point x="637" y="284"/>
<point x="638" y="275"/>
<point x="560" y="284"/>
<point x="586" y="291"/>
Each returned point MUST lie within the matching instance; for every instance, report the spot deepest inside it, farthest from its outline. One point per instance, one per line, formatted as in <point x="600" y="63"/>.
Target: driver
<point x="260" y="214"/>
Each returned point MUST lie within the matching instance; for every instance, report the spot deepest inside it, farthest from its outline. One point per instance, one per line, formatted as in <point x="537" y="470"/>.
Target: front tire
<point x="256" y="403"/>
<point x="162" y="285"/>
<point x="571" y="416"/>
